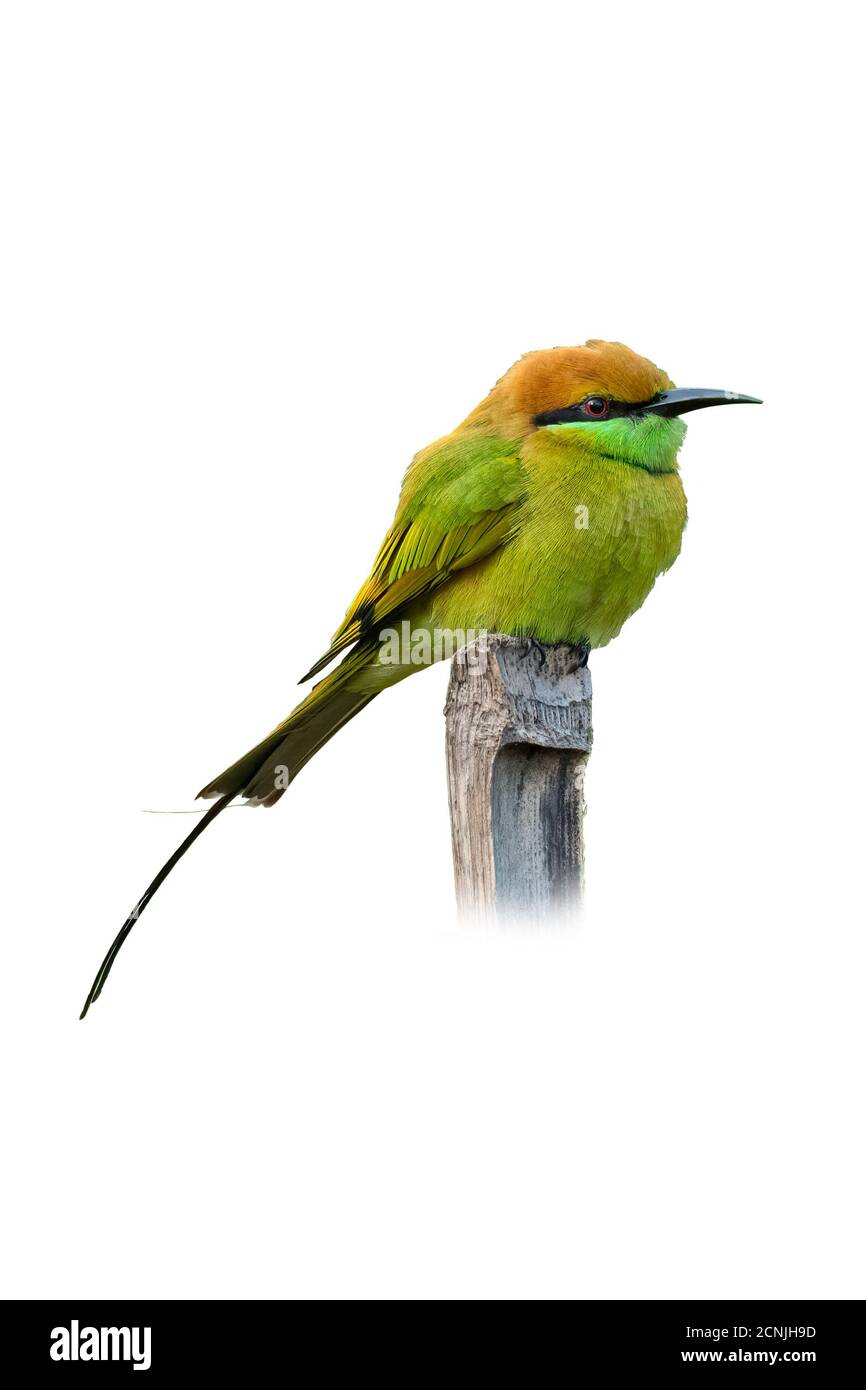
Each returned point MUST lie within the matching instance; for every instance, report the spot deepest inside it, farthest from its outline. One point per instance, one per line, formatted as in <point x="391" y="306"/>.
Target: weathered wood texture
<point x="519" y="731"/>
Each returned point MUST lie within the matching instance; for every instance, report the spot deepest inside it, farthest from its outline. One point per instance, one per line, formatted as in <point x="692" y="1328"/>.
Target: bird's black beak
<point x="689" y="398"/>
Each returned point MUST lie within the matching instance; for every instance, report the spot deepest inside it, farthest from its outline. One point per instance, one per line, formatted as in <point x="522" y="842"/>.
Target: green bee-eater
<point x="549" y="513"/>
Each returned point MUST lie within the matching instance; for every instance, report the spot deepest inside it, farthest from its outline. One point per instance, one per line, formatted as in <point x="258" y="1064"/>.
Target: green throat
<point x="650" y="442"/>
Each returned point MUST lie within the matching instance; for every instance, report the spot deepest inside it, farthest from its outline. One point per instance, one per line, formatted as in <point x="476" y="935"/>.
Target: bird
<point x="549" y="513"/>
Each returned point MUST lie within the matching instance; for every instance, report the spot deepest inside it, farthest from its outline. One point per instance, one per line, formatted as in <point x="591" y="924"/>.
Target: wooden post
<point x="519" y="731"/>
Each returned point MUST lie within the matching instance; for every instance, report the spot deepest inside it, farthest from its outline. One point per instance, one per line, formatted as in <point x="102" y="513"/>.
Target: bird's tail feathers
<point x="263" y="774"/>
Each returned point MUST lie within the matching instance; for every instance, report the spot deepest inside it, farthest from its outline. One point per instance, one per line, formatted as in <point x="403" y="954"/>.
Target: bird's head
<point x="602" y="398"/>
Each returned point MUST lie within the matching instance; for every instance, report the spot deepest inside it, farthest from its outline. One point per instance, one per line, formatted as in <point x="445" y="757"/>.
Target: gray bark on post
<point x="518" y="731"/>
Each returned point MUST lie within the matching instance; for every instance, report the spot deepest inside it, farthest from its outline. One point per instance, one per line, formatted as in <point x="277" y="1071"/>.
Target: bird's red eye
<point x="596" y="407"/>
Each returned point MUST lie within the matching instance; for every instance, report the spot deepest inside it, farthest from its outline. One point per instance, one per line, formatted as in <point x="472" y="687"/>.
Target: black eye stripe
<point x="577" y="413"/>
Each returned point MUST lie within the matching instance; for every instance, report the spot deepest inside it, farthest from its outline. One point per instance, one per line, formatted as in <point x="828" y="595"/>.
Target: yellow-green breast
<point x="593" y="536"/>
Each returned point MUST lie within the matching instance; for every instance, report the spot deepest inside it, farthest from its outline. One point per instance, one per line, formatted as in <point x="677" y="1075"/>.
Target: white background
<point x="254" y="256"/>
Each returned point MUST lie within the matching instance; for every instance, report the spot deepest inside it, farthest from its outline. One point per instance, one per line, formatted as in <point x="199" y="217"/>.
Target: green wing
<point x="459" y="502"/>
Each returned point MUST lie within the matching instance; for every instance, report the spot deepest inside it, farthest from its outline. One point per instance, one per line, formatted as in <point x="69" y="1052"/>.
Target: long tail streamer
<point x="103" y="972"/>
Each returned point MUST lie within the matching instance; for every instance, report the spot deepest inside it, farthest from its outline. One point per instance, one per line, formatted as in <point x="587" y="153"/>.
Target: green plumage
<point x="486" y="537"/>
<point x="549" y="513"/>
